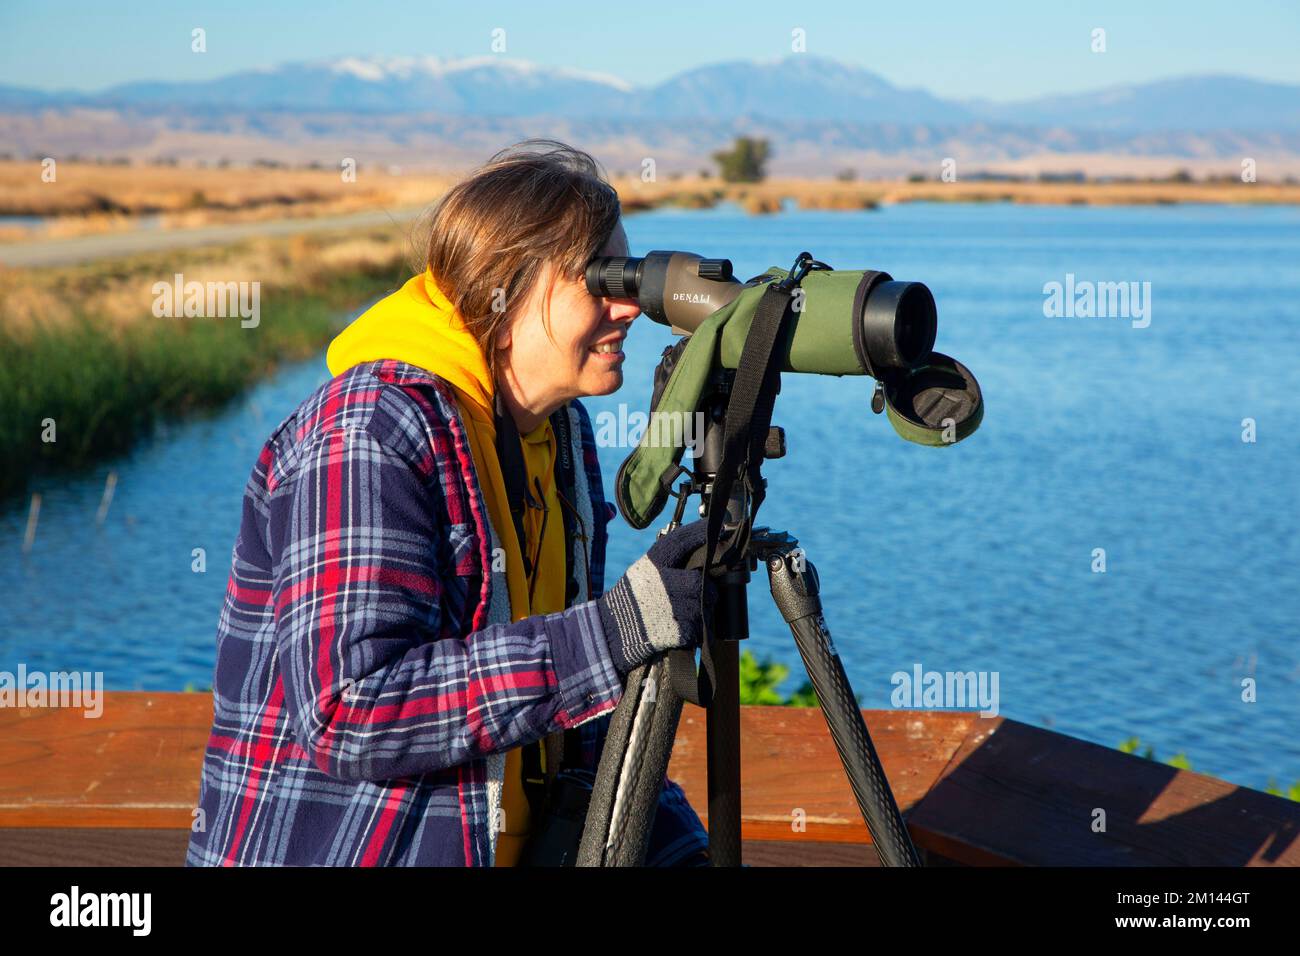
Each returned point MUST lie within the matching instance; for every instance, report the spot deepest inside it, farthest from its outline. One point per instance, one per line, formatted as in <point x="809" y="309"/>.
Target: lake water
<point x="27" y="222"/>
<point x="1097" y="435"/>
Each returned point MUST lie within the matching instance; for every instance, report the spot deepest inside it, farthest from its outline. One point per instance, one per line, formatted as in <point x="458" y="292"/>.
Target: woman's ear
<point x="502" y="337"/>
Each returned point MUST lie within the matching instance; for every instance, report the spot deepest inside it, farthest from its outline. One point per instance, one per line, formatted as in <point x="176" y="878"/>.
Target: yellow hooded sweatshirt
<point x="418" y="325"/>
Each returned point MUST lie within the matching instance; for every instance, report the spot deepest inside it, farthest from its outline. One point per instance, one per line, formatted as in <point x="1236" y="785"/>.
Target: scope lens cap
<point x="936" y="403"/>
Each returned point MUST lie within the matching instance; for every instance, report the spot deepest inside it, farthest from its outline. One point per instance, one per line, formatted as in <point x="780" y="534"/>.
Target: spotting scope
<point x="849" y="322"/>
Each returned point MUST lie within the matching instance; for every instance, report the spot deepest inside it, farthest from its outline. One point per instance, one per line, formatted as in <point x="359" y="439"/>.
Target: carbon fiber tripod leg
<point x="796" y="591"/>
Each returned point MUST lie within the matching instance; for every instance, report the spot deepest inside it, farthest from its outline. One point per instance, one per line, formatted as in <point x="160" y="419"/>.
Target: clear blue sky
<point x="955" y="49"/>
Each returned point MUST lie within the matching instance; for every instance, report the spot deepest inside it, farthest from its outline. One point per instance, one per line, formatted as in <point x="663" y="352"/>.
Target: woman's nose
<point x="624" y="310"/>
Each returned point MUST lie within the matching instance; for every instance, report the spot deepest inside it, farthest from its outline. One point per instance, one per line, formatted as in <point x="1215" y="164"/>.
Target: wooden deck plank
<point x="135" y="766"/>
<point x="807" y="853"/>
<point x="1020" y="795"/>
<point x="92" y="846"/>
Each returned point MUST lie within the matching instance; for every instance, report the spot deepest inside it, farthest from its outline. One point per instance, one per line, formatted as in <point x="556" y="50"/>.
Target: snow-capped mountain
<point x="796" y="88"/>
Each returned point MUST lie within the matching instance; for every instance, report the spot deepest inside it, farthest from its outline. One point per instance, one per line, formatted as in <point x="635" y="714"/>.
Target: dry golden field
<point x="89" y="198"/>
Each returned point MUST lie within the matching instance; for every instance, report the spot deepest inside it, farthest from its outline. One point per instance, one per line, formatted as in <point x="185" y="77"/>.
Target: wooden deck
<point x="119" y="790"/>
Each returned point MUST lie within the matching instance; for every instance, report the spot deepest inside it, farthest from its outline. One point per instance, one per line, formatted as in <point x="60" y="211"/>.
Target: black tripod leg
<point x="723" y="724"/>
<point x="796" y="591"/>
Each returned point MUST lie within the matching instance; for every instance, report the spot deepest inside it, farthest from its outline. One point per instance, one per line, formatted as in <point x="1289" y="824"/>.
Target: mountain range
<point x="809" y="102"/>
<point x="797" y="86"/>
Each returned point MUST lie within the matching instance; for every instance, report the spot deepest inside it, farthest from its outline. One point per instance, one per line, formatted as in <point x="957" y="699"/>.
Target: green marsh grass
<point x="102" y="385"/>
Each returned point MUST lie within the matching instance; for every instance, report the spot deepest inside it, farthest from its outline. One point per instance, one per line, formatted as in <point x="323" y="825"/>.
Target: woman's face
<point x="547" y="373"/>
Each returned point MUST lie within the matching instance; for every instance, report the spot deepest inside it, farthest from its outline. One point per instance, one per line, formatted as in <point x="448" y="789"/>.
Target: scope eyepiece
<point x="615" y="277"/>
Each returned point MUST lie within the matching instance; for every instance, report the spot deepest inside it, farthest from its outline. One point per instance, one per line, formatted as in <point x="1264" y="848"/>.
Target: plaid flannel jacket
<point x="358" y="695"/>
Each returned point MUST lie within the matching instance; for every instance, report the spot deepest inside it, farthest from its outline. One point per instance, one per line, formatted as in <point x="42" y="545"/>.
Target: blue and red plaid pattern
<point x="358" y="691"/>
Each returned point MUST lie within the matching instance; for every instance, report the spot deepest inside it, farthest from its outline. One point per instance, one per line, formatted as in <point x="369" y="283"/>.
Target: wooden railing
<point x="120" y="790"/>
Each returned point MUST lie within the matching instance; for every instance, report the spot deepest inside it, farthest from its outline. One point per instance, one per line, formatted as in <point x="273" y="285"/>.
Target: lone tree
<point x="743" y="163"/>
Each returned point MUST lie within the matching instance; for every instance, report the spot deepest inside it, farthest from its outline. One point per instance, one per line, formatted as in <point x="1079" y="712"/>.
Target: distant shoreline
<point x="88" y="199"/>
<point x="769" y="196"/>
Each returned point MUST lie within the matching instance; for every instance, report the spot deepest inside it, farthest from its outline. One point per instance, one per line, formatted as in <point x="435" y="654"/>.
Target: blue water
<point x="977" y="557"/>
<point x="29" y="222"/>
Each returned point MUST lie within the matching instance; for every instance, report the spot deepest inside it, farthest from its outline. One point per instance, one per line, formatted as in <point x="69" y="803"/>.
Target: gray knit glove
<point x="655" y="606"/>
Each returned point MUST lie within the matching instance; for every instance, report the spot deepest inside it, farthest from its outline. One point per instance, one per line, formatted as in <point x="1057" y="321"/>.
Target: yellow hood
<point x="418" y="325"/>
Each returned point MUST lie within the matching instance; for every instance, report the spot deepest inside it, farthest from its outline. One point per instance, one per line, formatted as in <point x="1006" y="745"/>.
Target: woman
<point x="415" y="618"/>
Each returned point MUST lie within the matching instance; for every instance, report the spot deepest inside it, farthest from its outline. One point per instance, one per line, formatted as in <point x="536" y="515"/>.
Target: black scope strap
<point x="510" y="454"/>
<point x="566" y="482"/>
<point x="749" y="415"/>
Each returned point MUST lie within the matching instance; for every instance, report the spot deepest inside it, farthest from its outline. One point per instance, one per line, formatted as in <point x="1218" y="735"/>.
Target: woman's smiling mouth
<point x="610" y="349"/>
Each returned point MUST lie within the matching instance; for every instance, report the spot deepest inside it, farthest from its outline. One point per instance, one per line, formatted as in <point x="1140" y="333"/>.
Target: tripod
<point x="639" y="742"/>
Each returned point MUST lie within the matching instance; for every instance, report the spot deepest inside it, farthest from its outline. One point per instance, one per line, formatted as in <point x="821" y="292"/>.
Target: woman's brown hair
<point x="492" y="235"/>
